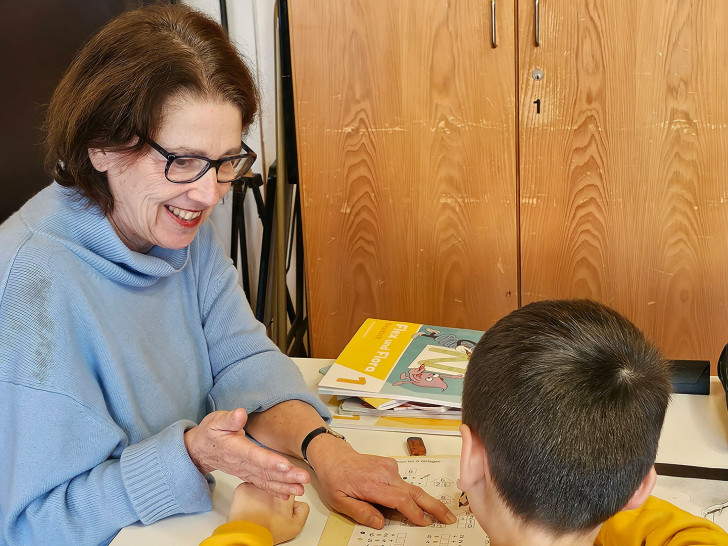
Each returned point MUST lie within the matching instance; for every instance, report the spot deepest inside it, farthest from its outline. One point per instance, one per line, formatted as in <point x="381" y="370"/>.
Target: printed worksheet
<point x="437" y="476"/>
<point x="705" y="498"/>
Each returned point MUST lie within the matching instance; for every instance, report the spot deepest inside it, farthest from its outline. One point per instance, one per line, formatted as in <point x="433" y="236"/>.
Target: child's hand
<point x="284" y="518"/>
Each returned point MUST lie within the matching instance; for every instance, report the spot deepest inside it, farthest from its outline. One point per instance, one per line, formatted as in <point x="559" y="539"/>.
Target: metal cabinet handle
<point x="538" y="42"/>
<point x="493" y="40"/>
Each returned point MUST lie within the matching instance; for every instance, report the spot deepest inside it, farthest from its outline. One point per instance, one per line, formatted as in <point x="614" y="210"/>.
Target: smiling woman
<point x="149" y="210"/>
<point x="131" y="365"/>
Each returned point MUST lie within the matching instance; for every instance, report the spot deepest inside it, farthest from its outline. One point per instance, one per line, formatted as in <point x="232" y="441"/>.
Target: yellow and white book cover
<point x="403" y="361"/>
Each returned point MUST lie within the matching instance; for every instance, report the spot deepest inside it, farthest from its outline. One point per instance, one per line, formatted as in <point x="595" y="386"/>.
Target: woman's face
<point x="149" y="210"/>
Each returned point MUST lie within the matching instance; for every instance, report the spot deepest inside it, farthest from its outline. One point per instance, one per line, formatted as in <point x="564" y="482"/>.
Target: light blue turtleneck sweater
<point x="107" y="356"/>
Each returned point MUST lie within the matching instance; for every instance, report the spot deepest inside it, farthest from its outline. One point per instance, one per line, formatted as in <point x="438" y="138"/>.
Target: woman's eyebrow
<point x="233" y="151"/>
<point x="186" y="150"/>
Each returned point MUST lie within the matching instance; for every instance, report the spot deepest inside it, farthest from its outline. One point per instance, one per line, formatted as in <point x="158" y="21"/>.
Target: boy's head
<point x="563" y="403"/>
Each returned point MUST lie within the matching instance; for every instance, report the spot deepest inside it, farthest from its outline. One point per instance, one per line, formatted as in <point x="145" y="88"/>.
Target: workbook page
<point x="437" y="476"/>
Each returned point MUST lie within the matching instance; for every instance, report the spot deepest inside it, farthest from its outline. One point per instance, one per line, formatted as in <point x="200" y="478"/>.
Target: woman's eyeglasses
<point x="185" y="169"/>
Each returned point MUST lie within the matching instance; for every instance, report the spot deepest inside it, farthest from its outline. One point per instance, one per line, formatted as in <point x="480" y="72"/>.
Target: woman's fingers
<point x="352" y="481"/>
<point x="219" y="443"/>
<point x="281" y="489"/>
<point x="360" y="511"/>
<point x="265" y="469"/>
<point x="412" y="502"/>
<point x="229" y="421"/>
<point x="422" y="501"/>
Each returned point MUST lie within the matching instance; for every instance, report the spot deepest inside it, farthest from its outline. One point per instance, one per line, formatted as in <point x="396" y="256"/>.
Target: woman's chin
<point x="176" y="241"/>
<point x="179" y="245"/>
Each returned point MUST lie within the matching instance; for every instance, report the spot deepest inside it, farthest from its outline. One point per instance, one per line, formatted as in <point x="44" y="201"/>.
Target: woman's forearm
<point x="284" y="426"/>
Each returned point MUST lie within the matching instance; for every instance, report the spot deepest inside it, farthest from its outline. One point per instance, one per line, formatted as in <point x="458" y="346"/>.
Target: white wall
<point x="251" y="26"/>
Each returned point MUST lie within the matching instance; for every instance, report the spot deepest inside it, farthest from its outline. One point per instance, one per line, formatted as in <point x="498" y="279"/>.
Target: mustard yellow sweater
<point x="655" y="523"/>
<point x="659" y="523"/>
<point x="239" y="533"/>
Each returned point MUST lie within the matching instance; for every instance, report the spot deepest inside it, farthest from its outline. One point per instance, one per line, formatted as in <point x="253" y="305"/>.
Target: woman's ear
<point x="100" y="159"/>
<point x="643" y="491"/>
<point x="472" y="459"/>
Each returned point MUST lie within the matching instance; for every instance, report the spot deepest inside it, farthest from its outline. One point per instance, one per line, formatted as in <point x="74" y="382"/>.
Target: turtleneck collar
<point x="64" y="215"/>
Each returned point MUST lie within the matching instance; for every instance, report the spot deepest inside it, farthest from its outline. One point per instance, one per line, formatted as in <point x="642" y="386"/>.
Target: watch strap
<point x="311" y="435"/>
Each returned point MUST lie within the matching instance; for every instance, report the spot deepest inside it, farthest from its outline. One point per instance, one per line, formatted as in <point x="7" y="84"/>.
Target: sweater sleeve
<point x="659" y="523"/>
<point x="248" y="369"/>
<point x="239" y="533"/>
<point x="70" y="478"/>
<point x="71" y="474"/>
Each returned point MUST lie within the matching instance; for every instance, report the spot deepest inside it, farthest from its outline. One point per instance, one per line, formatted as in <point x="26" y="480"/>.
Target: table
<point x="695" y="433"/>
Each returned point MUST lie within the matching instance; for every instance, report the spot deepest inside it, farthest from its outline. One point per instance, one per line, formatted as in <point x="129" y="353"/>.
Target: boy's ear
<point x="643" y="491"/>
<point x="100" y="159"/>
<point x="472" y="459"/>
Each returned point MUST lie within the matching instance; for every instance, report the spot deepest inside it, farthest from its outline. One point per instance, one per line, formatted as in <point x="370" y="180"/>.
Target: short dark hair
<point x="115" y="88"/>
<point x="568" y="399"/>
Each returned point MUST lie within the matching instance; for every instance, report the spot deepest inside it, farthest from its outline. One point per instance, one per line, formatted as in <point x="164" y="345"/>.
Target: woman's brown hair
<point x="114" y="90"/>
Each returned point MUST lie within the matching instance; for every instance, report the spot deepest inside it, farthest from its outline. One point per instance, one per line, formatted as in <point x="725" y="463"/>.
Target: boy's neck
<point x="536" y="537"/>
<point x="506" y="529"/>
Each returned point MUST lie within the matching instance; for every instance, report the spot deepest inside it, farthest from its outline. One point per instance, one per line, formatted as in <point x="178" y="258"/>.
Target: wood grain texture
<point x="405" y="120"/>
<point x="624" y="174"/>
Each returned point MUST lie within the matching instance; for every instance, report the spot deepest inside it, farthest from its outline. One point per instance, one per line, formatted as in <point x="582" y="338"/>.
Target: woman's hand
<point x="284" y="518"/>
<point x="219" y="443"/>
<point x="350" y="481"/>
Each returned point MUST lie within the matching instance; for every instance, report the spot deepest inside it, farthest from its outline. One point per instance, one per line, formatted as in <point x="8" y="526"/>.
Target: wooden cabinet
<point x="405" y="121"/>
<point x="442" y="183"/>
<point x="624" y="173"/>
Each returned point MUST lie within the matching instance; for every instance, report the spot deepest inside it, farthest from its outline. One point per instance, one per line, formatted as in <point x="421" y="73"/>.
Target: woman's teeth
<point x="184" y="214"/>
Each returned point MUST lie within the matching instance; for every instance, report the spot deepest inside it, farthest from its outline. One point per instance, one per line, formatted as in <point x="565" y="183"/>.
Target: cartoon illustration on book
<point x="430" y="368"/>
<point x="448" y="340"/>
<point x="422" y="378"/>
<point x="430" y="372"/>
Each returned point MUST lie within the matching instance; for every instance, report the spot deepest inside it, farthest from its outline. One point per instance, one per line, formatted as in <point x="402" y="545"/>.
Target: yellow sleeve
<point x="239" y="533"/>
<point x="659" y="523"/>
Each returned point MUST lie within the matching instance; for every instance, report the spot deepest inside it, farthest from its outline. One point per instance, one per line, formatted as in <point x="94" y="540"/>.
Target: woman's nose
<point x="207" y="190"/>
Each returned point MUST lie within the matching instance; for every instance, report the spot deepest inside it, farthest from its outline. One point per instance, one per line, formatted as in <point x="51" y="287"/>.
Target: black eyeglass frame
<point x="216" y="163"/>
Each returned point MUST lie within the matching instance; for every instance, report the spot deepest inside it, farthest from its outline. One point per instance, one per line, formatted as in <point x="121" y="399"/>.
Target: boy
<point x="563" y="404"/>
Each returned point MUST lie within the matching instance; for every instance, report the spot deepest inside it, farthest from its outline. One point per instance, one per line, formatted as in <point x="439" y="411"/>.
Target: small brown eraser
<point x="416" y="446"/>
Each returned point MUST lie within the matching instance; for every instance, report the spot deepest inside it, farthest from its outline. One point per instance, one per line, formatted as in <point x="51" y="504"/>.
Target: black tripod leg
<point x="299" y="322"/>
<point x="234" y="227"/>
<point x="265" y="250"/>
<point x="244" y="252"/>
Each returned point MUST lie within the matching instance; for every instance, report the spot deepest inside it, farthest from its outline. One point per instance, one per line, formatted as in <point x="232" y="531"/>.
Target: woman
<point x="130" y="363"/>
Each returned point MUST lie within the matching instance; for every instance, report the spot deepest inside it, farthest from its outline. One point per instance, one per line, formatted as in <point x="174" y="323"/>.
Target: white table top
<point x="695" y="433"/>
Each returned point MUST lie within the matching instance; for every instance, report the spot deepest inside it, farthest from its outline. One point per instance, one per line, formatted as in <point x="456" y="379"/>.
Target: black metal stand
<point x="296" y="341"/>
<point x="298" y="318"/>
<point x="238" y="237"/>
<point x="296" y="314"/>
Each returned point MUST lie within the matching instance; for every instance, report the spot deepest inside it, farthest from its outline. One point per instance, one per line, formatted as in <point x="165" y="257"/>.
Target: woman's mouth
<point x="186" y="218"/>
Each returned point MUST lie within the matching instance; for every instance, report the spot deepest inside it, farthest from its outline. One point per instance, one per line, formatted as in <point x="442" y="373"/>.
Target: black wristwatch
<point x="311" y="435"/>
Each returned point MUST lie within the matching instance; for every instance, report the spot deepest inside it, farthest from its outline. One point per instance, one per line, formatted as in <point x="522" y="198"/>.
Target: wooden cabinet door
<point x="405" y="122"/>
<point x="624" y="172"/>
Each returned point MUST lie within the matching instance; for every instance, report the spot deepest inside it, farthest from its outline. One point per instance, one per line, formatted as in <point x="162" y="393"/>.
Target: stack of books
<point x="400" y="376"/>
